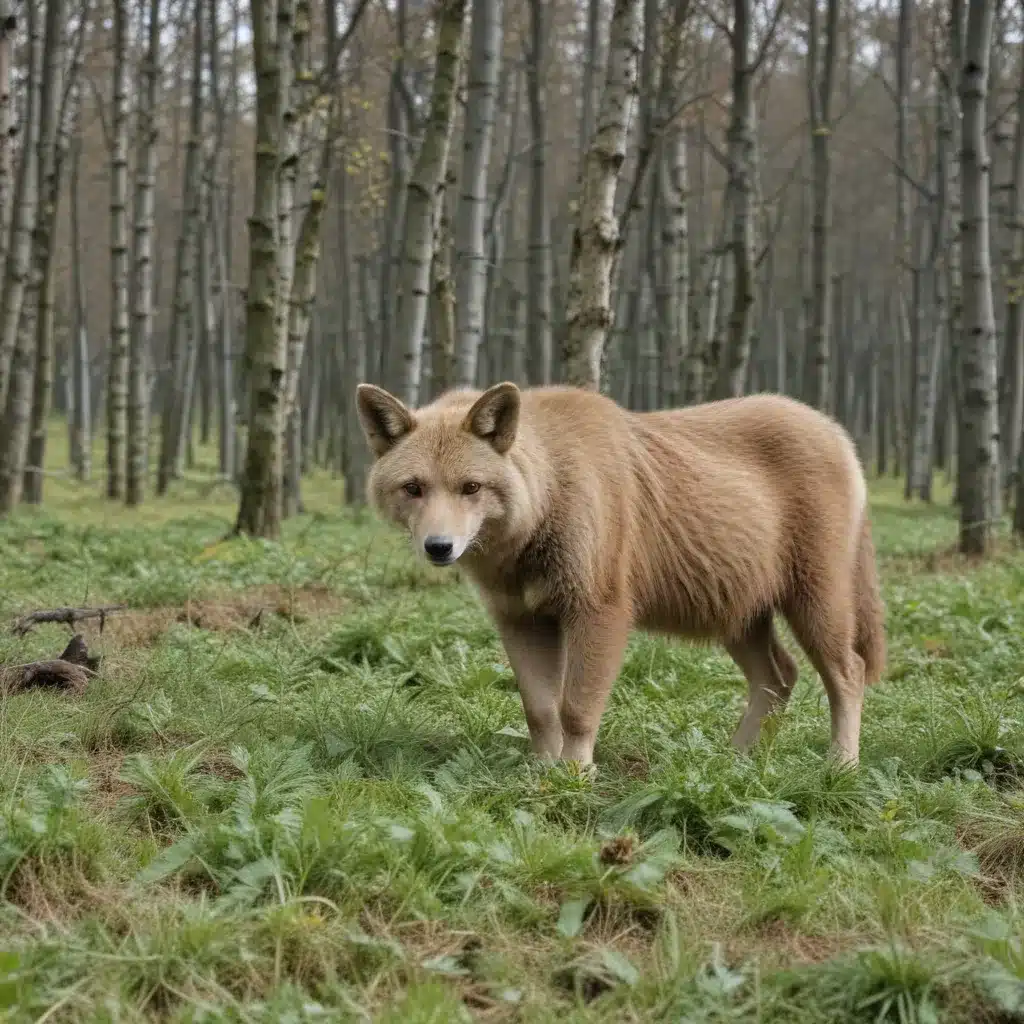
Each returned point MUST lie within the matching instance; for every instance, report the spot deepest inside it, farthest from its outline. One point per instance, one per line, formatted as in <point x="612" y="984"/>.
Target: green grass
<point x="300" y="789"/>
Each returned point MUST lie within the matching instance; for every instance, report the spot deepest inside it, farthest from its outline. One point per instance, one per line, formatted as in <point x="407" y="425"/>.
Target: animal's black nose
<point x="438" y="549"/>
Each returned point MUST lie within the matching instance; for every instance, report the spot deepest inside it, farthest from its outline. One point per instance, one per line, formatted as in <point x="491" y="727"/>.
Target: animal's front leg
<point x="536" y="650"/>
<point x="595" y="642"/>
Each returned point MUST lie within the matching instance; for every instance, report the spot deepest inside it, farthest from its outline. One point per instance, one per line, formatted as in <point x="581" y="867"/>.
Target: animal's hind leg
<point x="770" y="673"/>
<point x="824" y="626"/>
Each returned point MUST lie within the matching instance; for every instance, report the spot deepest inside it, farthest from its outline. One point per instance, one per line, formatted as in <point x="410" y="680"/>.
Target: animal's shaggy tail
<point x="870" y="611"/>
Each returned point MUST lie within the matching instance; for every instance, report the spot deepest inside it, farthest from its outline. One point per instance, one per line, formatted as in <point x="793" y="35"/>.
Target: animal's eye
<point x="470" y="487"/>
<point x="413" y="489"/>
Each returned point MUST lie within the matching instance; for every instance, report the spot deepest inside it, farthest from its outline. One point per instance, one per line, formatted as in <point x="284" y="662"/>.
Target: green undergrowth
<point x="299" y="789"/>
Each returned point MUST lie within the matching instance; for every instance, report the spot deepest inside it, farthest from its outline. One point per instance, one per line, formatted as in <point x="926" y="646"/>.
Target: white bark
<point x="19" y="249"/>
<point x="142" y="265"/>
<point x="470" y="249"/>
<point x="538" y="287"/>
<point x="596" y="236"/>
<point x="425" y="187"/>
<point x="979" y="425"/>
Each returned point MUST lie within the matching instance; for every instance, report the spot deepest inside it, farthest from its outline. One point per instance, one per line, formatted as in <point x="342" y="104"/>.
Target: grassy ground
<point x="299" y="789"/>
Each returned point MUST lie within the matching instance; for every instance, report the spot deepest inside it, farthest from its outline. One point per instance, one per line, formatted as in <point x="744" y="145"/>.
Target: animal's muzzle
<point x="440" y="550"/>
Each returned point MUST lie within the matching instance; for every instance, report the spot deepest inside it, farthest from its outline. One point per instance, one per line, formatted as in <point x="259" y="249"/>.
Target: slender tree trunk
<point x="54" y="142"/>
<point x="979" y="424"/>
<point x="932" y="345"/>
<point x="8" y="26"/>
<point x="142" y="264"/>
<point x="470" y="249"/>
<point x="443" y="350"/>
<point x="225" y="354"/>
<point x="178" y="390"/>
<point x="260" y="510"/>
<point x="1012" y="392"/>
<point x="425" y="190"/>
<point x="538" y="289"/>
<point x="731" y="377"/>
<point x="821" y="75"/>
<point x="673" y="295"/>
<point x="36" y="322"/>
<point x="591" y="77"/>
<point x="596" y="237"/>
<point x="117" y="367"/>
<point x="19" y="248"/>
<point x="495" y="232"/>
<point x="81" y="418"/>
<point x="386" y="362"/>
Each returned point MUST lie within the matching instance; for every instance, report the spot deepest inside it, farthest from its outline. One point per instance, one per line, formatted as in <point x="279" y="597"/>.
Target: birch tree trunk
<point x="538" y="286"/>
<point x="1012" y="391"/>
<point x="425" y="190"/>
<point x="19" y="249"/>
<point x="732" y="375"/>
<point x="80" y="434"/>
<point x="225" y="355"/>
<point x="596" y="235"/>
<point x="498" y="368"/>
<point x="591" y="73"/>
<point x="470" y="249"/>
<point x="259" y="511"/>
<point x="932" y="341"/>
<point x="117" y="371"/>
<point x="820" y="78"/>
<point x="36" y="323"/>
<point x="673" y="290"/>
<point x="178" y="388"/>
<point x="142" y="266"/>
<point x="382" y="367"/>
<point x="443" y="349"/>
<point x="54" y="142"/>
<point x="979" y="425"/>
<point x="900" y="340"/>
<point x="8" y="27"/>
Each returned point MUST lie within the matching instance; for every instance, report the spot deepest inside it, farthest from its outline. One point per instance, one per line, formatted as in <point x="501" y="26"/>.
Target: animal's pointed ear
<point x="495" y="416"/>
<point x="384" y="419"/>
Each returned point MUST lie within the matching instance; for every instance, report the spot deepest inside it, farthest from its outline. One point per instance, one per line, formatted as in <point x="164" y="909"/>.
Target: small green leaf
<point x="570" y="918"/>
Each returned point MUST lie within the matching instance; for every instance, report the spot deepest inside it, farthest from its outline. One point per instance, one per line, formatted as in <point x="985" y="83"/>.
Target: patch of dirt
<point x="241" y="612"/>
<point x="777" y="942"/>
<point x="219" y="763"/>
<point x="106" y="788"/>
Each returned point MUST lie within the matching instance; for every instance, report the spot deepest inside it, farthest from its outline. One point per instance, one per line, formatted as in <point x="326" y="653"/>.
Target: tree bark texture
<point x="35" y="325"/>
<point x="179" y="387"/>
<point x="1012" y="377"/>
<point x="19" y="247"/>
<point x="820" y="78"/>
<point x="979" y="424"/>
<point x="538" y="286"/>
<point x="259" y="511"/>
<point x="117" y="368"/>
<point x="58" y="117"/>
<point x="470" y="241"/>
<point x="732" y="375"/>
<point x="425" y="190"/>
<point x="596" y="236"/>
<point x="141" y="338"/>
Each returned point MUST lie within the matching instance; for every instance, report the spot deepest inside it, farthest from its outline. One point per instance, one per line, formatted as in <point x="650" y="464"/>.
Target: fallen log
<point x="67" y="616"/>
<point x="71" y="671"/>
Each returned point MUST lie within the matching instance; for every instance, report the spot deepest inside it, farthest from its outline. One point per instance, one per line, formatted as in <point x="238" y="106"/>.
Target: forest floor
<point x="299" y="789"/>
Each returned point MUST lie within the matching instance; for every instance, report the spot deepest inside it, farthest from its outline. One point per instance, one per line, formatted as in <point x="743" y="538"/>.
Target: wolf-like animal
<point x="578" y="520"/>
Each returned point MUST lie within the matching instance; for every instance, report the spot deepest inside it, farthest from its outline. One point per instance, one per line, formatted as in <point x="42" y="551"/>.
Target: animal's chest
<point x="532" y="584"/>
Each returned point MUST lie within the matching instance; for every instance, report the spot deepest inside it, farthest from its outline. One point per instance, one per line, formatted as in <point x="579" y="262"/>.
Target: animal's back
<point x="737" y="500"/>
